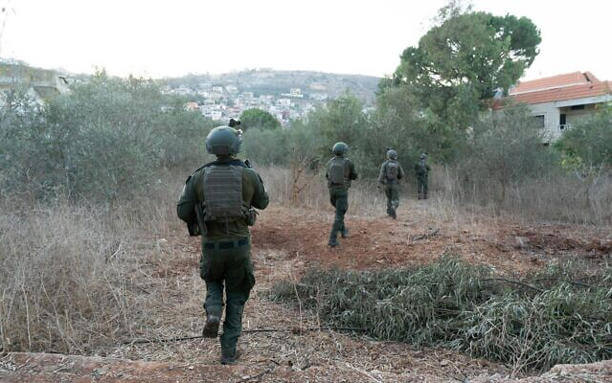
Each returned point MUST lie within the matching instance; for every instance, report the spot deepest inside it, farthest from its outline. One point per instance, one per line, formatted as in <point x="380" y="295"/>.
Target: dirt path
<point x="285" y="243"/>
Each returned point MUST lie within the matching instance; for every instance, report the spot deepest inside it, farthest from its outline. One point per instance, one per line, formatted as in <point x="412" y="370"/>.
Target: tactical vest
<point x="338" y="170"/>
<point x="392" y="171"/>
<point x="421" y="168"/>
<point x="223" y="194"/>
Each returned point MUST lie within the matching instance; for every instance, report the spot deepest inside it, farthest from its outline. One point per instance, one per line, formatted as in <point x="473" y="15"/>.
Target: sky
<point x="173" y="38"/>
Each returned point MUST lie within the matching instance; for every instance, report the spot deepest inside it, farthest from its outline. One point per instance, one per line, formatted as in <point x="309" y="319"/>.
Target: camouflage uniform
<point x="422" y="172"/>
<point x="338" y="196"/>
<point x="226" y="256"/>
<point x="391" y="184"/>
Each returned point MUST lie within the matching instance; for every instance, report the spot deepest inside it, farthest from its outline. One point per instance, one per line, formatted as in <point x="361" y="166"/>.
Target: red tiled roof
<point x="549" y="82"/>
<point x="560" y="88"/>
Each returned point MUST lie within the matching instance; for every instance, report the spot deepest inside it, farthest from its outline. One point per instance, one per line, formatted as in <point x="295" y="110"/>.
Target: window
<point x="539" y="121"/>
<point x="562" y="121"/>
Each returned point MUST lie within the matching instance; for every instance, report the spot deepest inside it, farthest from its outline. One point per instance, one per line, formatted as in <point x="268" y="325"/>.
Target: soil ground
<point x="286" y="242"/>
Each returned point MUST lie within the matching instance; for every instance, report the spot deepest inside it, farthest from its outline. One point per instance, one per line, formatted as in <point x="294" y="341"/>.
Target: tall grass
<point x="72" y="275"/>
<point x="559" y="197"/>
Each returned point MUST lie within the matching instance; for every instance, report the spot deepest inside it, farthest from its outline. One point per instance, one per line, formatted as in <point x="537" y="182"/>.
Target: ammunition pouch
<point x="248" y="213"/>
<point x="194" y="229"/>
<point x="251" y="216"/>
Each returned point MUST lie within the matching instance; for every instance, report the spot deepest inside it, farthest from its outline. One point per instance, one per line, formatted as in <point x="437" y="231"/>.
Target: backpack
<point x="337" y="170"/>
<point x="392" y="171"/>
<point x="223" y="193"/>
<point x="421" y="168"/>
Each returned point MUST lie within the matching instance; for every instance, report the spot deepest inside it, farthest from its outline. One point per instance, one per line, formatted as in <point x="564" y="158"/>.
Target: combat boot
<point x="393" y="214"/>
<point x="228" y="357"/>
<point x="211" y="329"/>
<point x="333" y="236"/>
<point x="344" y="232"/>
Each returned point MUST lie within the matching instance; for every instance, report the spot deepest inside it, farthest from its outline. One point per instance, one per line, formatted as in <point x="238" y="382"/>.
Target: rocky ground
<point x="286" y="242"/>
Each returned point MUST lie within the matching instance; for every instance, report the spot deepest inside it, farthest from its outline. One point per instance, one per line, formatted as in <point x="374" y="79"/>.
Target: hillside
<point x="272" y="82"/>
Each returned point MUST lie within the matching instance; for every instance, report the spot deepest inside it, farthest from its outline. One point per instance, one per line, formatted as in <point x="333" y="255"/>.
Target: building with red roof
<point x="559" y="101"/>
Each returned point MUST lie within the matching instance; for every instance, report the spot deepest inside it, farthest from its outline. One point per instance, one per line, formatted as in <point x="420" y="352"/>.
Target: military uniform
<point x="390" y="173"/>
<point x="225" y="261"/>
<point x="338" y="191"/>
<point x="422" y="172"/>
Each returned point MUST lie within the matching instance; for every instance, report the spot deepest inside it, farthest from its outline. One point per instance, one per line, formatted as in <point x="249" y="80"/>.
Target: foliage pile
<point x="556" y="316"/>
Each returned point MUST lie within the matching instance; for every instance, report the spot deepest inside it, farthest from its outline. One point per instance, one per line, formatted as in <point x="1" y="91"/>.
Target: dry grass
<point x="72" y="275"/>
<point x="559" y="197"/>
<point x="78" y="279"/>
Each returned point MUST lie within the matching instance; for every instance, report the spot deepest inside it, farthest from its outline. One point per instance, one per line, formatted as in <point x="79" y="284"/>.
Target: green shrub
<point x="589" y="143"/>
<point x="104" y="140"/>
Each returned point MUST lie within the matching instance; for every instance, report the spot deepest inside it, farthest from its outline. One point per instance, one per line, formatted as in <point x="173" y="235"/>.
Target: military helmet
<point x="391" y="154"/>
<point x="223" y="141"/>
<point x="340" y="148"/>
<point x="423" y="156"/>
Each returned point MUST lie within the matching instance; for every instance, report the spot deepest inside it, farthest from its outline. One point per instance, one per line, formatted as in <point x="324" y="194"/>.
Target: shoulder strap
<point x="234" y="162"/>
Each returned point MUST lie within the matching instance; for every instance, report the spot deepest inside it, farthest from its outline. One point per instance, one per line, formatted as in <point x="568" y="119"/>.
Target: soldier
<point x="390" y="173"/>
<point x="422" y="171"/>
<point x="218" y="202"/>
<point x="340" y="172"/>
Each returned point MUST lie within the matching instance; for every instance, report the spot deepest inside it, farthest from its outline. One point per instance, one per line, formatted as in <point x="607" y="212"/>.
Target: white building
<point x="561" y="100"/>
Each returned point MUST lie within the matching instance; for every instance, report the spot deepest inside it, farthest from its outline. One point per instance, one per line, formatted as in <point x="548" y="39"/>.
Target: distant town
<point x="223" y="102"/>
<point x="287" y="95"/>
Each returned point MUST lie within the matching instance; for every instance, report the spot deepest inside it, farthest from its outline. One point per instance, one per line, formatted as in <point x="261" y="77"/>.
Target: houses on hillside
<point x="39" y="84"/>
<point x="559" y="101"/>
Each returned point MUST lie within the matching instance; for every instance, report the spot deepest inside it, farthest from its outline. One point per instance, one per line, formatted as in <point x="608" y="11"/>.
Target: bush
<point x="100" y="141"/>
<point x="589" y="143"/>
<point x="534" y="323"/>
<point x="505" y="149"/>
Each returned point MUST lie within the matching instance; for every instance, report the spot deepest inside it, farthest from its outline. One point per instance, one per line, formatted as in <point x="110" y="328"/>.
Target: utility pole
<point x="6" y="8"/>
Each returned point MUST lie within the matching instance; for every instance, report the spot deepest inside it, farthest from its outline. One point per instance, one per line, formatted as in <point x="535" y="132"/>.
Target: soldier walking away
<point x="422" y="172"/>
<point x="390" y="173"/>
<point x="218" y="202"/>
<point x="340" y="173"/>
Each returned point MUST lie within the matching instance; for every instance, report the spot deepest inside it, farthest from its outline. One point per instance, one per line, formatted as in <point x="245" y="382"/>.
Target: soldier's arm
<point x="381" y="174"/>
<point x="401" y="173"/>
<point x="260" y="196"/>
<point x="352" y="172"/>
<point x="187" y="200"/>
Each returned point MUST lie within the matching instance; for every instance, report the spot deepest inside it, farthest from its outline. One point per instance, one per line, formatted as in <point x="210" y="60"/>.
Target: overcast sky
<point x="173" y="38"/>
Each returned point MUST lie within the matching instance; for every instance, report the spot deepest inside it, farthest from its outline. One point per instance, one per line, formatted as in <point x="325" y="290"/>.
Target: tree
<point x="461" y="62"/>
<point x="259" y="119"/>
<point x="507" y="147"/>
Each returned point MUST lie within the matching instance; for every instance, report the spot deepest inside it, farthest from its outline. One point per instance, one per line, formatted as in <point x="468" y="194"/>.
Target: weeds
<point x="533" y="324"/>
<point x="73" y="277"/>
